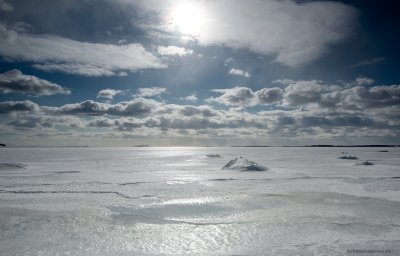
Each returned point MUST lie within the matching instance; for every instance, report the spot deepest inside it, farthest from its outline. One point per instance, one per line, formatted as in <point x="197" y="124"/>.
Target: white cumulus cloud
<point x="239" y="72"/>
<point x="151" y="91"/>
<point x="108" y="93"/>
<point x="174" y="50"/>
<point x="192" y="97"/>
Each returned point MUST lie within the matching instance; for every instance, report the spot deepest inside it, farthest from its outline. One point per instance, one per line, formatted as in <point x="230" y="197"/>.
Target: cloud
<point x="375" y="97"/>
<point x="284" y="81"/>
<point x="229" y="61"/>
<point x="293" y="32"/>
<point x="5" y="6"/>
<point x="205" y="111"/>
<point x="364" y="81"/>
<point x="151" y="91"/>
<point x="41" y="122"/>
<point x="54" y="53"/>
<point x="239" y="72"/>
<point x="335" y="121"/>
<point x="237" y="96"/>
<point x="108" y="93"/>
<point x="306" y="110"/>
<point x="14" y="81"/>
<point x="313" y="94"/>
<point x="18" y="106"/>
<point x="308" y="92"/>
<point x="269" y="95"/>
<point x="173" y="50"/>
<point x="79" y="69"/>
<point x="135" y="107"/>
<point x="101" y="123"/>
<point x="349" y="96"/>
<point x="192" y="97"/>
<point x="367" y="62"/>
<point x="244" y="96"/>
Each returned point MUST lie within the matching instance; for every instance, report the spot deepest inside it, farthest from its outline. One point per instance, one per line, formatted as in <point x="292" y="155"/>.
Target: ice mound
<point x="240" y="163"/>
<point x="349" y="157"/>
<point x="366" y="163"/>
<point x="213" y="155"/>
<point x="11" y="165"/>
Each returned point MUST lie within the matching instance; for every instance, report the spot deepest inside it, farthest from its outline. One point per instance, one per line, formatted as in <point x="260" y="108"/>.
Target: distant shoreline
<point x="234" y="146"/>
<point x="324" y="146"/>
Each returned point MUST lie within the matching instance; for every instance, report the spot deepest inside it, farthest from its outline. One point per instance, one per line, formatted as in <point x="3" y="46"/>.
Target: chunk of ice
<point x="240" y="163"/>
<point x="349" y="157"/>
<point x="213" y="155"/>
<point x="366" y="163"/>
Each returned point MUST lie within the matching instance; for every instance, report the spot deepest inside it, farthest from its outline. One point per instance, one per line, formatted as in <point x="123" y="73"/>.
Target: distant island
<point x="2" y="145"/>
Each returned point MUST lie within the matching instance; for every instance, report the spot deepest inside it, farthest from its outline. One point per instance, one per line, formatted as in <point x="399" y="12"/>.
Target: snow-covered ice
<point x="176" y="201"/>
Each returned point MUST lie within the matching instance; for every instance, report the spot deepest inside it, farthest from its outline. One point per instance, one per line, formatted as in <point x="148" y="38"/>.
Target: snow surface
<point x="175" y="201"/>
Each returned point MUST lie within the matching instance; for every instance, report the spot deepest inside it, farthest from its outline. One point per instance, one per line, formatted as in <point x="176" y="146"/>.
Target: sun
<point x="189" y="18"/>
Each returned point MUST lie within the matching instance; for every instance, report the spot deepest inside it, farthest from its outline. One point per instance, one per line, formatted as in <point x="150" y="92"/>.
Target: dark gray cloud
<point x="187" y="110"/>
<point x="41" y="122"/>
<point x="101" y="123"/>
<point x="352" y="95"/>
<point x="335" y="121"/>
<point x="269" y="95"/>
<point x="307" y="92"/>
<point x="244" y="96"/>
<point x="237" y="96"/>
<point x="18" y="106"/>
<point x="6" y="6"/>
<point x="374" y="97"/>
<point x="14" y="81"/>
<point x="206" y="111"/>
<point x="135" y="107"/>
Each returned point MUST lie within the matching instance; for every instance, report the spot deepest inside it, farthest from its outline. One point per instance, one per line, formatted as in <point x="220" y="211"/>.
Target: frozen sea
<point x="178" y="201"/>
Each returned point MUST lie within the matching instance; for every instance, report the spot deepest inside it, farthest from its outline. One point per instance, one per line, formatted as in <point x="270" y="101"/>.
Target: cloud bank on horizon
<point x="194" y="73"/>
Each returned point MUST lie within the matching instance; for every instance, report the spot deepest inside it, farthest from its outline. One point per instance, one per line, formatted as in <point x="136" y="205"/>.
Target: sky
<point x="199" y="72"/>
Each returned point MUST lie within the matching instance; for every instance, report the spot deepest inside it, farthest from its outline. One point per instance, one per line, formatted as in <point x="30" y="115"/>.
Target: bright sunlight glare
<point x="189" y="18"/>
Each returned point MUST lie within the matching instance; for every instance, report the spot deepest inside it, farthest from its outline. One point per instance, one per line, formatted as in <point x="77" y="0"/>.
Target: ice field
<point x="179" y="201"/>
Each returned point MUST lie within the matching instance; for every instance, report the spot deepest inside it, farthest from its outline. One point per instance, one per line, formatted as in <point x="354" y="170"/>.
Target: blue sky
<point x="125" y="72"/>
